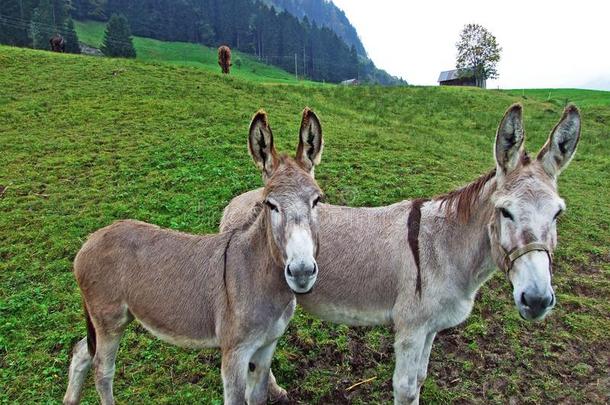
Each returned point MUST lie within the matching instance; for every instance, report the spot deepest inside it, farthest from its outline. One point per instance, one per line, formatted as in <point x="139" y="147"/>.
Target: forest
<point x="275" y="36"/>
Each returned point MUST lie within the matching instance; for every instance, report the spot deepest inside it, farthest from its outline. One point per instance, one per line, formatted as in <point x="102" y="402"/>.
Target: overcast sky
<point x="545" y="43"/>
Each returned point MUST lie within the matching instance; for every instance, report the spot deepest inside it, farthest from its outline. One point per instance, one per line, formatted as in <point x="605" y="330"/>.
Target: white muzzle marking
<point x="301" y="268"/>
<point x="532" y="290"/>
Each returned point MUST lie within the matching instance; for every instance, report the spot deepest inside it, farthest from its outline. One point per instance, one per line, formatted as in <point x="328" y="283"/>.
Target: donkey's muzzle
<point x="535" y="306"/>
<point x="301" y="276"/>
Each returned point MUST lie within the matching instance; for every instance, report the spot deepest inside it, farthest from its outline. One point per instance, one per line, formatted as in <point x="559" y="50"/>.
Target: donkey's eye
<point x="506" y="214"/>
<point x="271" y="206"/>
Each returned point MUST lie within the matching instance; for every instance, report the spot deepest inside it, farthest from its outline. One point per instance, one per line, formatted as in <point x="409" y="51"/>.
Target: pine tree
<point x="71" y="37"/>
<point x="59" y="12"/>
<point x="42" y="25"/>
<point x="13" y="27"/>
<point x="117" y="38"/>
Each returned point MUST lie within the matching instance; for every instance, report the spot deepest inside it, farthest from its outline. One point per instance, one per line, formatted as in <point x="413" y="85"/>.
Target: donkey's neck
<point x="467" y="239"/>
<point x="263" y="271"/>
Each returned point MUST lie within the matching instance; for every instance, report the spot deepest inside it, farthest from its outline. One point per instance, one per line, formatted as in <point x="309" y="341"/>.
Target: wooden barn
<point x="452" y="78"/>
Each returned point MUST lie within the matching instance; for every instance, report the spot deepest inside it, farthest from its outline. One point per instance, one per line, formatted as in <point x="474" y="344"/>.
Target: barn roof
<point x="449" y="75"/>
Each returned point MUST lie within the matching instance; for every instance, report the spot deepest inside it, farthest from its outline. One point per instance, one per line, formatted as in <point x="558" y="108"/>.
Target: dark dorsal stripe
<point x="224" y="271"/>
<point x="413" y="224"/>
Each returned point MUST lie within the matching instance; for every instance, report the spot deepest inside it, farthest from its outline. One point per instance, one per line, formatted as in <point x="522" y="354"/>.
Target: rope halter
<point x="510" y="257"/>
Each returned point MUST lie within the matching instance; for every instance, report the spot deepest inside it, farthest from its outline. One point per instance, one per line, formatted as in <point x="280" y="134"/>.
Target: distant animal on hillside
<point x="224" y="58"/>
<point x="58" y="44"/>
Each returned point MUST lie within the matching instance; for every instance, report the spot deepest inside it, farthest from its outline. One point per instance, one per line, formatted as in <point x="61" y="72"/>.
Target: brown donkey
<point x="224" y="59"/>
<point x="418" y="264"/>
<point x="234" y="290"/>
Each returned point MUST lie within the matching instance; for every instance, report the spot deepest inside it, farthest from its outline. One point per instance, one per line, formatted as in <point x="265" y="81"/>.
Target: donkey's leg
<point x="425" y="357"/>
<point x="234" y="371"/>
<point x="408" y="347"/>
<point x="104" y="359"/>
<point x="259" y="368"/>
<point x="79" y="366"/>
<point x="109" y="328"/>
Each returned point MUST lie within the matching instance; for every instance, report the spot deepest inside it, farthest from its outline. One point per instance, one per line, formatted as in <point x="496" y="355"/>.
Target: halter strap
<point x="510" y="257"/>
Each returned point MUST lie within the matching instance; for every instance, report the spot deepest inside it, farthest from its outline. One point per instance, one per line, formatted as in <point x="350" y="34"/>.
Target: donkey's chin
<point x="527" y="314"/>
<point x="298" y="285"/>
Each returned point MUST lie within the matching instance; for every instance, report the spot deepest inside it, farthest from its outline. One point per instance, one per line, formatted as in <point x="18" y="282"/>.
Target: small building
<point x="453" y="78"/>
<point x="350" y="82"/>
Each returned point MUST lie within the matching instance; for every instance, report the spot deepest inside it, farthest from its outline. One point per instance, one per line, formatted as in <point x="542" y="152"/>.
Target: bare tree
<point x="478" y="53"/>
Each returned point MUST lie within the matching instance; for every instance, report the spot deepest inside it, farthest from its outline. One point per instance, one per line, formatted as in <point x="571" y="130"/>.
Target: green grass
<point x="583" y="98"/>
<point x="188" y="54"/>
<point x="86" y="141"/>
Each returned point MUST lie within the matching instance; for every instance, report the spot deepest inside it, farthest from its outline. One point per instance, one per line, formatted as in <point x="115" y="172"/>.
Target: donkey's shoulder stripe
<point x="413" y="224"/>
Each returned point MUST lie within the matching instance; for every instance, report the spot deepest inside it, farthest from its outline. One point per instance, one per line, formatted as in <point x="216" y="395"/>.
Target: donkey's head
<point x="291" y="196"/>
<point x="523" y="228"/>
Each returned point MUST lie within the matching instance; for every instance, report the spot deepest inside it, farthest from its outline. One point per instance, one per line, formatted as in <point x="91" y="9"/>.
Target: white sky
<point x="545" y="43"/>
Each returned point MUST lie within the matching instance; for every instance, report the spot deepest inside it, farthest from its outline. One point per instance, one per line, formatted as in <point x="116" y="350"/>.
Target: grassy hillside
<point x="187" y="54"/>
<point x="583" y="98"/>
<point x="85" y="141"/>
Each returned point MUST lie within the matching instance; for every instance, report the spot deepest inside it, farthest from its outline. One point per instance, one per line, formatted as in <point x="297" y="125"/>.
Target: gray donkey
<point x="418" y="264"/>
<point x="234" y="290"/>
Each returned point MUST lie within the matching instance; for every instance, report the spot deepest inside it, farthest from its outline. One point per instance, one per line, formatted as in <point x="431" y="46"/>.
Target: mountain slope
<point x="323" y="12"/>
<point x="85" y="141"/>
<point x="326" y="13"/>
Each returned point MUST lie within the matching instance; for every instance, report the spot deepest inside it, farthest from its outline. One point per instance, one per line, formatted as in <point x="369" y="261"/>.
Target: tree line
<point x="32" y="23"/>
<point x="325" y="13"/>
<point x="277" y="38"/>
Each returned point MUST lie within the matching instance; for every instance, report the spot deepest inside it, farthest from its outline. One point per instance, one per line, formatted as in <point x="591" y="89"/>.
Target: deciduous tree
<point x="478" y="52"/>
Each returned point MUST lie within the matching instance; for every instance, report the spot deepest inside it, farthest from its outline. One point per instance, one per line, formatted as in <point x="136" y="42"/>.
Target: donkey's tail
<point x="91" y="342"/>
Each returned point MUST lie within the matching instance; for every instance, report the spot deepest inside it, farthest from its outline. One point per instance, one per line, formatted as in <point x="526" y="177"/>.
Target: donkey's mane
<point x="463" y="200"/>
<point x="251" y="218"/>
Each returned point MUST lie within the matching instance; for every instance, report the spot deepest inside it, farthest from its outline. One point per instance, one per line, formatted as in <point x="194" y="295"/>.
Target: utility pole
<point x="296" y="66"/>
<point x="304" y="67"/>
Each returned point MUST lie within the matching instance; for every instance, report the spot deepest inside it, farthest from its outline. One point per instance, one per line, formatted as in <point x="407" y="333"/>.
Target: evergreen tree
<point x="117" y="38"/>
<point x="42" y="25"/>
<point x="70" y="37"/>
<point x="13" y="27"/>
<point x="59" y="12"/>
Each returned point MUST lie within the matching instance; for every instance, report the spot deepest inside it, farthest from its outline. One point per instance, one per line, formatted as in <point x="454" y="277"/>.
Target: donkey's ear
<point x="311" y="143"/>
<point x="509" y="140"/>
<point x="260" y="144"/>
<point x="561" y="145"/>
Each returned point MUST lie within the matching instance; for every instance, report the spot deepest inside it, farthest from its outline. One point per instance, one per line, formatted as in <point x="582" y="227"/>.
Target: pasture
<point x="186" y="54"/>
<point x="86" y="141"/>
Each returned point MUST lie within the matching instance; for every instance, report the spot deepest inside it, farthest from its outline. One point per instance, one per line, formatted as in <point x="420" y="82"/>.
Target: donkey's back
<point x="168" y="280"/>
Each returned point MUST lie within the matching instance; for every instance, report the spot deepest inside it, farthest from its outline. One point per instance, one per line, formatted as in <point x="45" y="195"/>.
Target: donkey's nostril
<point x="288" y="271"/>
<point x="315" y="269"/>
<point x="523" y="300"/>
<point x="548" y="301"/>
